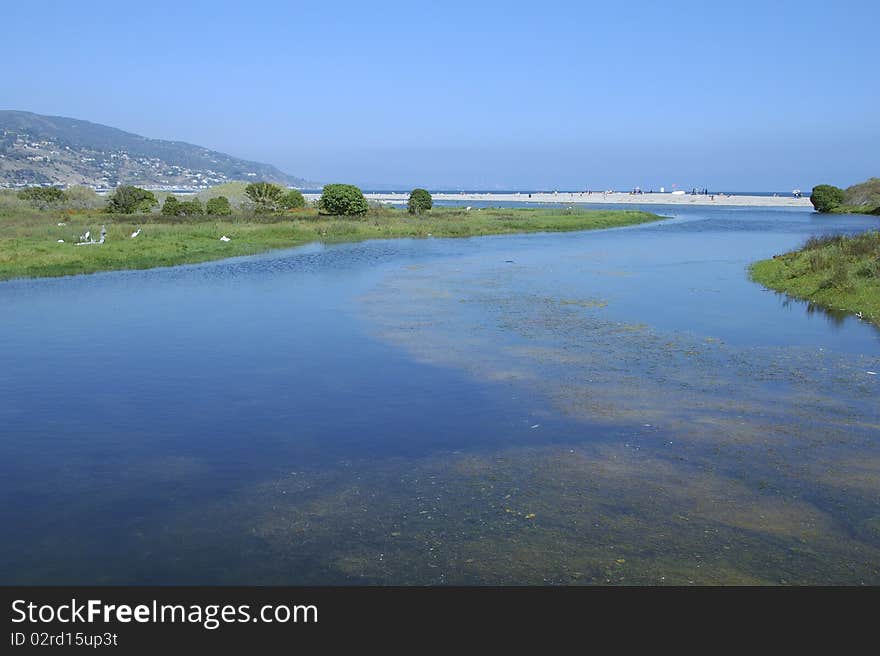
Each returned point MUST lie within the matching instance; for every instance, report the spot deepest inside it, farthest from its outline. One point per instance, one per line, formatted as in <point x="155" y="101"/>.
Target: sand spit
<point x="613" y="198"/>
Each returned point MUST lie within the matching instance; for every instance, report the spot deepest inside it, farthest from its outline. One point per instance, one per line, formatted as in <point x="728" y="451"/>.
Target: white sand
<point x="615" y="198"/>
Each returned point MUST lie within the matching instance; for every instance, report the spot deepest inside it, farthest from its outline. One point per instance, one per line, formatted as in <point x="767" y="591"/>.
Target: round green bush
<point x="174" y="207"/>
<point x="826" y="197"/>
<point x="292" y="200"/>
<point x="128" y="200"/>
<point x="342" y="199"/>
<point x="171" y="206"/>
<point x="419" y="201"/>
<point x="218" y="206"/>
<point x="192" y="207"/>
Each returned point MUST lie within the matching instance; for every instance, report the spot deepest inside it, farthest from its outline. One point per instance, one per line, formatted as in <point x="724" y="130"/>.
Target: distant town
<point x="110" y="169"/>
<point x="38" y="150"/>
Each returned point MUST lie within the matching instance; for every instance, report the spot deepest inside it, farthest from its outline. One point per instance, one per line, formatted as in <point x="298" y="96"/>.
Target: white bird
<point x="86" y="236"/>
<point x="225" y="238"/>
<point x="135" y="233"/>
<point x="60" y="241"/>
<point x="467" y="209"/>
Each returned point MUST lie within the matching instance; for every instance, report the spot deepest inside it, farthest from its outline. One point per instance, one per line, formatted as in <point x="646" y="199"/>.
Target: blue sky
<point x="737" y="96"/>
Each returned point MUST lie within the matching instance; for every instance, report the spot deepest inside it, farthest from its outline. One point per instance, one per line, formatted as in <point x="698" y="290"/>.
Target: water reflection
<point x="837" y="318"/>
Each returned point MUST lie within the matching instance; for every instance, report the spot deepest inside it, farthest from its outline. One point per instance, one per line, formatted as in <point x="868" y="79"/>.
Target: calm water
<point x="620" y="406"/>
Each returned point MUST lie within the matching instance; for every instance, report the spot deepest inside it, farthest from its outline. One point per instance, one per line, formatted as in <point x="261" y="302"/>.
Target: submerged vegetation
<point x="39" y="242"/>
<point x="837" y="272"/>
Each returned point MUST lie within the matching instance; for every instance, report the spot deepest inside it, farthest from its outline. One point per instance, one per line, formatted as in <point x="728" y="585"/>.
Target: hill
<point x="37" y="149"/>
<point x="865" y="193"/>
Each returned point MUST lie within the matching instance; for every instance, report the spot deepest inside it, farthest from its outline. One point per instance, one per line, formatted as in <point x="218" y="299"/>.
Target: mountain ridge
<point x="37" y="149"/>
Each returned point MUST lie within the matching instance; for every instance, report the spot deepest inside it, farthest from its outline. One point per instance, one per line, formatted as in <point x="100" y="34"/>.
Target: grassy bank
<point x="29" y="238"/>
<point x="839" y="273"/>
<point x="855" y="209"/>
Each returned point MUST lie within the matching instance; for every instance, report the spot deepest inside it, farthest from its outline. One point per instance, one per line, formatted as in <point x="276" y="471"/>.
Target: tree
<point x="265" y="196"/>
<point x="419" y="201"/>
<point x="128" y="200"/>
<point x="292" y="200"/>
<point x="826" y="197"/>
<point x="342" y="199"/>
<point x="171" y="206"/>
<point x="218" y="206"/>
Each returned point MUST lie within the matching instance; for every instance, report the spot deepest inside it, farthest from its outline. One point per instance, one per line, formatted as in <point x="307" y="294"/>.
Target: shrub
<point x="817" y="242"/>
<point x="342" y="199"/>
<point x="292" y="200"/>
<point x="419" y="201"/>
<point x="826" y="197"/>
<point x="192" y="207"/>
<point x="79" y="197"/>
<point x="218" y="206"/>
<point x="816" y="261"/>
<point x="171" y="206"/>
<point x="839" y="277"/>
<point x="265" y="196"/>
<point x="128" y="200"/>
<point x="42" y="196"/>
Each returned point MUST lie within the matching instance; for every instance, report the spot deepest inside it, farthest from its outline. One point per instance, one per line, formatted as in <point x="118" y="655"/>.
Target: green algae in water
<point x="581" y="514"/>
<point x="758" y="444"/>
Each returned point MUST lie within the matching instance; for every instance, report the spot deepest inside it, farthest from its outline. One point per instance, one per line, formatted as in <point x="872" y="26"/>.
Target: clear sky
<point x="741" y="95"/>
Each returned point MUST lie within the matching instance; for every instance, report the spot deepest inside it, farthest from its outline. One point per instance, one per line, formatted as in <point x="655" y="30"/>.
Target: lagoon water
<point x="619" y="406"/>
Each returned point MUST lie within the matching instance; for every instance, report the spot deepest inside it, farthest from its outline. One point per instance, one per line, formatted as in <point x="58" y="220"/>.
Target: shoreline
<point x="33" y="250"/>
<point x="599" y="198"/>
<point x="835" y="273"/>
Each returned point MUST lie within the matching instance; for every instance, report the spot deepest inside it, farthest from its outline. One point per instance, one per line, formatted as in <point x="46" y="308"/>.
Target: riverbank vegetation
<point x="39" y="239"/>
<point x="420" y="200"/>
<point x="862" y="198"/>
<point x="837" y="272"/>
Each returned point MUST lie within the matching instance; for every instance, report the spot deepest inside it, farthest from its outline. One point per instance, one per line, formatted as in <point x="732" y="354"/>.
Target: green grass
<point x="855" y="209"/>
<point x="29" y="248"/>
<point x="839" y="273"/>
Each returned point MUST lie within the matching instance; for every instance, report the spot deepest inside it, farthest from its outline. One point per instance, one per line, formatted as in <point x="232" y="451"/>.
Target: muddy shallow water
<point x="618" y="406"/>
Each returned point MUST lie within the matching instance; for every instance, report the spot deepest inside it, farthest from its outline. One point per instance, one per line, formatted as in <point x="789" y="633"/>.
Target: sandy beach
<point x="615" y="198"/>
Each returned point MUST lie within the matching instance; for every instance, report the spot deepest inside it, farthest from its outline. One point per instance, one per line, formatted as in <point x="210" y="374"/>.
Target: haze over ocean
<point x="513" y="95"/>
